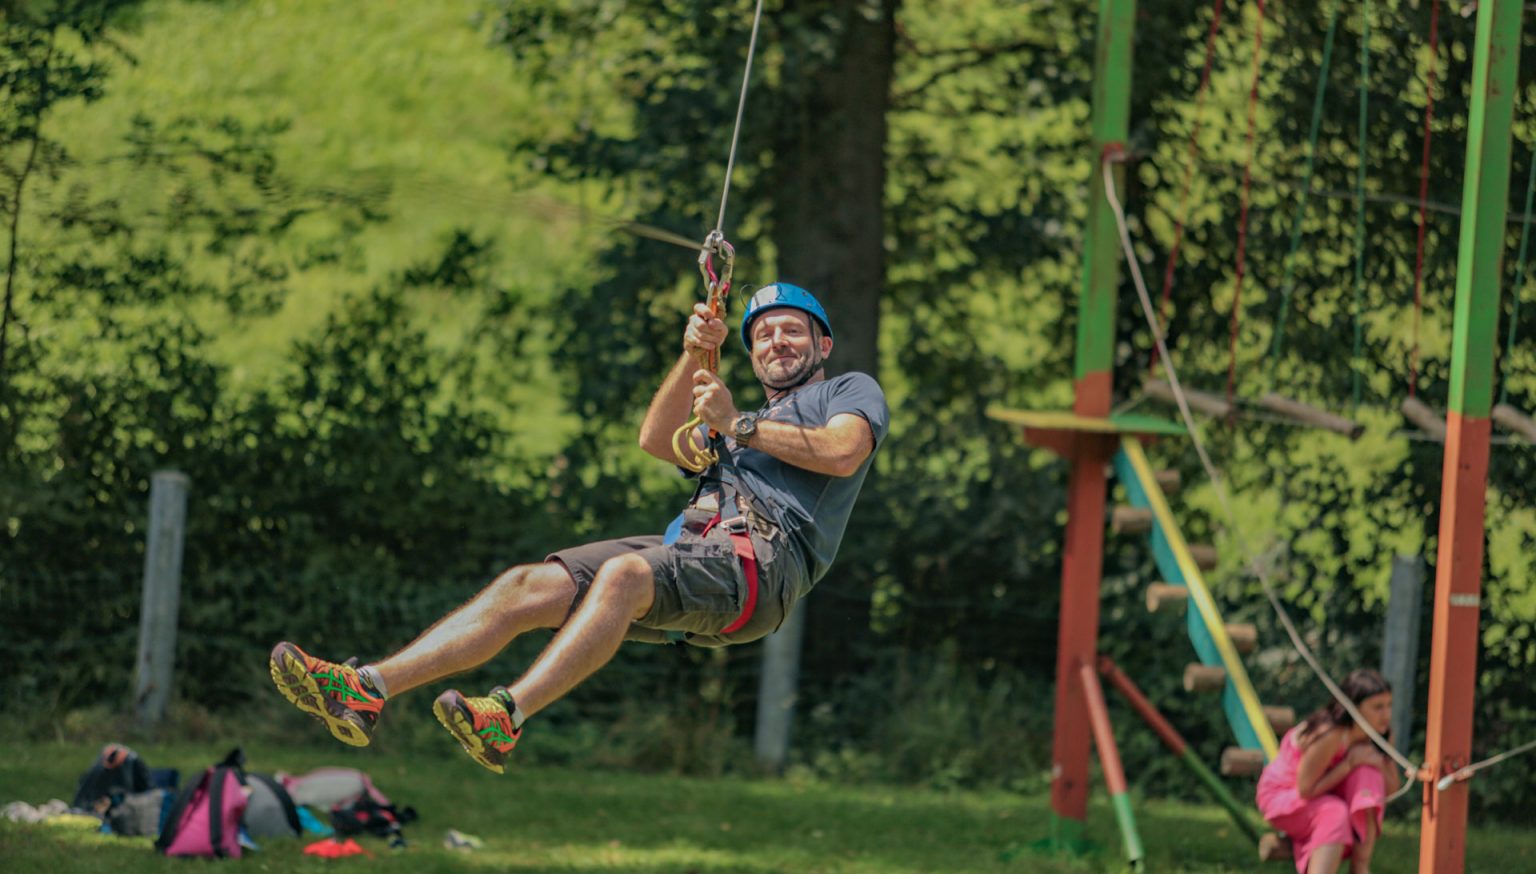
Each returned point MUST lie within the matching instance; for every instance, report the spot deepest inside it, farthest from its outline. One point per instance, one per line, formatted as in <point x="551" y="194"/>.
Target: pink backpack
<point x="206" y="818"/>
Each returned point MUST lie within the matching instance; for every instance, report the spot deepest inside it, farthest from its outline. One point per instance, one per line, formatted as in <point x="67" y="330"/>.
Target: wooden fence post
<point x="779" y="689"/>
<point x="162" y="594"/>
<point x="1400" y="643"/>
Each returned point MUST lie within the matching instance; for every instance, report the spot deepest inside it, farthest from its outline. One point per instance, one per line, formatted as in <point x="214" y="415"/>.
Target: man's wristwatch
<point x="744" y="429"/>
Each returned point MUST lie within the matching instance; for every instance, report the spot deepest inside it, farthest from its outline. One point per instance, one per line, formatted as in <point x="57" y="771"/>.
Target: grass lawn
<point x="567" y="819"/>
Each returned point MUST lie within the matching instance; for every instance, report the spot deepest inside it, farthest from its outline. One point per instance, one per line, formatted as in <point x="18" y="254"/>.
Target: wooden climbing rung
<point x="1204" y="678"/>
<point x="1209" y="404"/>
<point x="1244" y="635"/>
<point x="1276" y="848"/>
<point x="1281" y="719"/>
<point x="1170" y="481"/>
<point x="1514" y="421"/>
<point x="1205" y="556"/>
<point x="1130" y="520"/>
<point x="1309" y="415"/>
<point x="1166" y="597"/>
<point x="1239" y="762"/>
<point x="1423" y="418"/>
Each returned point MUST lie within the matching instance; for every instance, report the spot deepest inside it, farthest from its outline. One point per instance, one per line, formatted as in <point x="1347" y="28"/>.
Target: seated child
<point x="1326" y="787"/>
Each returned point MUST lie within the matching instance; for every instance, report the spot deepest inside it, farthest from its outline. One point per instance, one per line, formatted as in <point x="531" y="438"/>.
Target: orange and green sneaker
<point x="483" y="726"/>
<point x="331" y="692"/>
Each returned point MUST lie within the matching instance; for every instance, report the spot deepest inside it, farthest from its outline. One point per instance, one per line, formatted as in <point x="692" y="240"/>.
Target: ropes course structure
<point x="1094" y="433"/>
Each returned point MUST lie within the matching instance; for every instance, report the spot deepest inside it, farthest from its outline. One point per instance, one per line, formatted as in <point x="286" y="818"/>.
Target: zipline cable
<point x="1218" y="484"/>
<point x="693" y="452"/>
<point x="741" y="108"/>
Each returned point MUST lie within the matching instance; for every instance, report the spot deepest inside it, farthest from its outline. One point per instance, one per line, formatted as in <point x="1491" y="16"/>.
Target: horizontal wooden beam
<point x="1424" y="418"/>
<point x="1199" y="401"/>
<point x="1310" y="415"/>
<point x="1514" y="421"/>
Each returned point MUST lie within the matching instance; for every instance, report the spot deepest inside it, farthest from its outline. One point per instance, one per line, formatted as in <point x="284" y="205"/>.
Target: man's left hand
<point x="712" y="401"/>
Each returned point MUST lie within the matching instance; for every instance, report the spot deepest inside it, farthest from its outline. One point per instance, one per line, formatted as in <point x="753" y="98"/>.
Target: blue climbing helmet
<point x="782" y="294"/>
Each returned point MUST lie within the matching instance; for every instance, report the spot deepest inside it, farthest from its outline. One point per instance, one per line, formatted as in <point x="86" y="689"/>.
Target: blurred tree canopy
<point x="924" y="167"/>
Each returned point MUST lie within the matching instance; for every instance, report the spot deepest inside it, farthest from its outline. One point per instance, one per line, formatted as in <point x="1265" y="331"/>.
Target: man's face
<point x="785" y="349"/>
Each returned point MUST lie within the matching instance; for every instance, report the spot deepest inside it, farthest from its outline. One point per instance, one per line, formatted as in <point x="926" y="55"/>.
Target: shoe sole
<point x="456" y="716"/>
<point x="294" y="682"/>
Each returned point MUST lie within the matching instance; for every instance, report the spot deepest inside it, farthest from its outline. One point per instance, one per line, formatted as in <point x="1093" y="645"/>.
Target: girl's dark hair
<point x="1359" y="685"/>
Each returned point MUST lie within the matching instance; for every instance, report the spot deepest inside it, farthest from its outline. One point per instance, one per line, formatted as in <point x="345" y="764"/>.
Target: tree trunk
<point x="829" y="197"/>
<point x="828" y="227"/>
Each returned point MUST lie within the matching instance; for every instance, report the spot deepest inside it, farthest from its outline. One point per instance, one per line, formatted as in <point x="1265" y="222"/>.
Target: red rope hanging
<point x="1418" y="263"/>
<point x="1189" y="174"/>
<point x="1242" y="222"/>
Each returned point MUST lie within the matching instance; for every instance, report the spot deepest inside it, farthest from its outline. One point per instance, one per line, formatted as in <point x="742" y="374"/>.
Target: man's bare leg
<point x="520" y="600"/>
<point x="622" y="592"/>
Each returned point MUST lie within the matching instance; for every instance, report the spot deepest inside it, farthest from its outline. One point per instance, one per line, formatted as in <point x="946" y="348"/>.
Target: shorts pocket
<point x="709" y="578"/>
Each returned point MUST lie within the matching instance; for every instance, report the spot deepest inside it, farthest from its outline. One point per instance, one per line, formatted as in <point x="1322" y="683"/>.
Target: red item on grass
<point x="334" y="849"/>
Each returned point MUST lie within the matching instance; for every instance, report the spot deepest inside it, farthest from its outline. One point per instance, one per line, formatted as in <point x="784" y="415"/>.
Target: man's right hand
<point x="705" y="332"/>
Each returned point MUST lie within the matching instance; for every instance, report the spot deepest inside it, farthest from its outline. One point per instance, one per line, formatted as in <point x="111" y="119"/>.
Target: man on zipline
<point x="764" y="524"/>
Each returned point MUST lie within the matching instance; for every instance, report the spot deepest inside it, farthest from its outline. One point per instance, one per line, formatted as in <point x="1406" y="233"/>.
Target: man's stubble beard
<point x="804" y="368"/>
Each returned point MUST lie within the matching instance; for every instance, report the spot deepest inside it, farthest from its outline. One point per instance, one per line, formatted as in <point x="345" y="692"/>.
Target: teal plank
<point x="1199" y="635"/>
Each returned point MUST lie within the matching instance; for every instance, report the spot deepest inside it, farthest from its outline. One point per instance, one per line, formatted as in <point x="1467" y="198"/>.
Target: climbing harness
<point x="693" y="452"/>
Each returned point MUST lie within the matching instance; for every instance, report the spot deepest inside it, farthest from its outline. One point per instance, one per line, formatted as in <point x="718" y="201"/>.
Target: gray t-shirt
<point x="812" y="508"/>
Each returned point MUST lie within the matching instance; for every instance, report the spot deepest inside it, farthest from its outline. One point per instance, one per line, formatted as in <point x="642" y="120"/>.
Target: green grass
<point x="573" y="819"/>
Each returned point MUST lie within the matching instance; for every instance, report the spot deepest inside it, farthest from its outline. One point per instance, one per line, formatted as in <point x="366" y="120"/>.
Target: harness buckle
<point x="736" y="525"/>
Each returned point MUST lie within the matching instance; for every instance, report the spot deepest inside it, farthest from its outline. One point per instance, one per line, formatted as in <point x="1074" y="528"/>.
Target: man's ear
<point x="826" y="345"/>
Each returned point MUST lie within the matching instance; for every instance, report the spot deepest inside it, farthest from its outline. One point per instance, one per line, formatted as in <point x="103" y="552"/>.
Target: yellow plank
<point x="1201" y="595"/>
<point x="1062" y="420"/>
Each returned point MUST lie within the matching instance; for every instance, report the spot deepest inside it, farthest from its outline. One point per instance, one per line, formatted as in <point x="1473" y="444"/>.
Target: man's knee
<point x="627" y="582"/>
<point x="535" y="585"/>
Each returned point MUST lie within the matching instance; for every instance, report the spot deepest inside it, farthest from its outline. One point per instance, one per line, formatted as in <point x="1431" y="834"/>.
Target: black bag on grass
<point x="366" y="816"/>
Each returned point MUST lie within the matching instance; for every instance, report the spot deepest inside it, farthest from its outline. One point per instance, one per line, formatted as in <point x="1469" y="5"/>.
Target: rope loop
<point x="692" y="452"/>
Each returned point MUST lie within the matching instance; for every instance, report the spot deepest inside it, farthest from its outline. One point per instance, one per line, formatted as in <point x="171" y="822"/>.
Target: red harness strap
<point x="742" y="543"/>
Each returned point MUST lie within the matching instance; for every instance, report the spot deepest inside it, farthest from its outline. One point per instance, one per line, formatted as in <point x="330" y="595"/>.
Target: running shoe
<point x="483" y="726"/>
<point x="331" y="692"/>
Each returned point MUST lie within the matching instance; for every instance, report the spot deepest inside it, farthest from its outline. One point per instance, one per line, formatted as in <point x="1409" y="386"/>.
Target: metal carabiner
<point x="718" y="286"/>
<point x="699" y="456"/>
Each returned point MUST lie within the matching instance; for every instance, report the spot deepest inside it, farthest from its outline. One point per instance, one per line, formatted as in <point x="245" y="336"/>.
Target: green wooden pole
<point x="1101" y="248"/>
<point x="1459" y="565"/>
<point x="1082" y="564"/>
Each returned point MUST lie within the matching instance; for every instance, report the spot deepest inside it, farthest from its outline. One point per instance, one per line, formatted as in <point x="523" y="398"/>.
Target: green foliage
<point x="270" y="245"/>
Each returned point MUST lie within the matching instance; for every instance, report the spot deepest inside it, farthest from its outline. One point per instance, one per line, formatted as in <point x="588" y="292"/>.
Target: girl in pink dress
<point x="1326" y="787"/>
